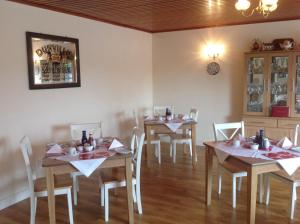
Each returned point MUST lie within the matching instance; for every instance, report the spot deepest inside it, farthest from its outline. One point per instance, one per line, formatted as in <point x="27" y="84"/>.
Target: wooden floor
<point x="170" y="194"/>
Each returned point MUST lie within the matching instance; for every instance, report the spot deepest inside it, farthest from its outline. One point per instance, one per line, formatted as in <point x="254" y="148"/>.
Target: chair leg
<point x="70" y="207"/>
<point x="171" y="150"/>
<point x="234" y="191"/>
<point x="133" y="193"/>
<point x="138" y="196"/>
<point x="174" y="151"/>
<point x="156" y="151"/>
<point x="35" y="205"/>
<point x="220" y="183"/>
<point x="102" y="195"/>
<point x="240" y="183"/>
<point x="267" y="180"/>
<point x="32" y="209"/>
<point x="159" y="154"/>
<point x="106" y="200"/>
<point x="261" y="187"/>
<point x="75" y="185"/>
<point x="190" y="146"/>
<point x="292" y="205"/>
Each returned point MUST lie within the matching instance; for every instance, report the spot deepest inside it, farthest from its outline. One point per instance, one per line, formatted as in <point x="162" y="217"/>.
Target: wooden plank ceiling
<point x="166" y="15"/>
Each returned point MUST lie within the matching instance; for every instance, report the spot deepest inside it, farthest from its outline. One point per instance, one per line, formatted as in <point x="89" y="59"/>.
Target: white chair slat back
<point x="237" y="127"/>
<point x="27" y="154"/>
<point x="137" y="142"/>
<point x="194" y="114"/>
<point x="297" y="129"/>
<point x="93" y="128"/>
<point x="161" y="110"/>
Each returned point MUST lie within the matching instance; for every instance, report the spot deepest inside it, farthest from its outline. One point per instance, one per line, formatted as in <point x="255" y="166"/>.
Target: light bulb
<point x="267" y="5"/>
<point x="242" y="5"/>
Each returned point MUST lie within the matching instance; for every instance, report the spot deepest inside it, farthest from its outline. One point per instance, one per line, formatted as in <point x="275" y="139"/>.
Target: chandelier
<point x="265" y="7"/>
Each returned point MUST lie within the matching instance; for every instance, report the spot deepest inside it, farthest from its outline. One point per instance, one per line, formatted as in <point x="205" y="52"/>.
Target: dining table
<point x="162" y="126"/>
<point x="57" y="167"/>
<point x="251" y="164"/>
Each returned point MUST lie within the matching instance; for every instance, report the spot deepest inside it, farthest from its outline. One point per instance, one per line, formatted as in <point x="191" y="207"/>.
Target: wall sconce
<point x="214" y="51"/>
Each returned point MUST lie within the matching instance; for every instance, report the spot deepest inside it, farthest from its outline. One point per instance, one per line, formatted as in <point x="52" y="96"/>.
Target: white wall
<point x="116" y="76"/>
<point x="180" y="77"/>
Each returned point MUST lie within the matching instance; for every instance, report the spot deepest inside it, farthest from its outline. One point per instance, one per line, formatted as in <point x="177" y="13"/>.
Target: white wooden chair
<point x="183" y="138"/>
<point x="76" y="134"/>
<point x="155" y="139"/>
<point x="37" y="187"/>
<point x="106" y="184"/>
<point x="293" y="181"/>
<point x="226" y="167"/>
<point x="161" y="110"/>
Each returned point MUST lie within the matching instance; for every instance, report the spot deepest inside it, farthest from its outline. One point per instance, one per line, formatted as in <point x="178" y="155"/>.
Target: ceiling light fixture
<point x="265" y="7"/>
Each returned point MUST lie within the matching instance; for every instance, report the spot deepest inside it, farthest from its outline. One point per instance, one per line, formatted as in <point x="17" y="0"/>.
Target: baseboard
<point x="13" y="199"/>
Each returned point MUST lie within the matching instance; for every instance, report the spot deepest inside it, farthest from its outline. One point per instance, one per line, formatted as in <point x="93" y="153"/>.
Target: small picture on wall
<point x="53" y="61"/>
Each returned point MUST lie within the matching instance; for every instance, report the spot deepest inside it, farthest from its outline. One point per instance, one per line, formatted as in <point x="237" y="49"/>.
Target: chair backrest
<point x="94" y="128"/>
<point x="136" y="119"/>
<point x="27" y="153"/>
<point x="236" y="127"/>
<point x="297" y="129"/>
<point x="137" y="142"/>
<point x="161" y="110"/>
<point x="194" y="114"/>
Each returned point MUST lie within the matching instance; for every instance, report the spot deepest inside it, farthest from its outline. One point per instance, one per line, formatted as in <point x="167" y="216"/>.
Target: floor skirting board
<point x="13" y="199"/>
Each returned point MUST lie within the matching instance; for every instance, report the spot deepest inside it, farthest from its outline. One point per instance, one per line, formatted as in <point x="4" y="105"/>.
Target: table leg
<point x="251" y="194"/>
<point x="148" y="135"/>
<point x="51" y="198"/>
<point x="209" y="179"/>
<point x="129" y="189"/>
<point x="194" y="146"/>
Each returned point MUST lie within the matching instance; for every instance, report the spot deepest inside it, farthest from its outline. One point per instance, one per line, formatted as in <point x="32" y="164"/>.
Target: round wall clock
<point x="213" y="68"/>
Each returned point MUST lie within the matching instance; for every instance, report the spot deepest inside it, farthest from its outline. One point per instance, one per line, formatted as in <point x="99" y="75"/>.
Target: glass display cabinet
<point x="295" y="104"/>
<point x="255" y="85"/>
<point x="269" y="82"/>
<point x="272" y="79"/>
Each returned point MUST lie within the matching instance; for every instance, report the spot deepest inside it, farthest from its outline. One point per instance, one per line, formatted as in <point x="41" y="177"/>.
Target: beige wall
<point x="180" y="77"/>
<point x="116" y="75"/>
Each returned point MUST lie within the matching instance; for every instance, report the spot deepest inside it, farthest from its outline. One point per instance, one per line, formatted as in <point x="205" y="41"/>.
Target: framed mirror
<point x="53" y="61"/>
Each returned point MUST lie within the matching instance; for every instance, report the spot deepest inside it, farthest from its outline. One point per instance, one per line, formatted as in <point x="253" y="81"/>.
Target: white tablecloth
<point x="223" y="150"/>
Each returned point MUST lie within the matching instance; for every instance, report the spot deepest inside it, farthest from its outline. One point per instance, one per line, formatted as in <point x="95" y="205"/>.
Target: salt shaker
<point x="266" y="143"/>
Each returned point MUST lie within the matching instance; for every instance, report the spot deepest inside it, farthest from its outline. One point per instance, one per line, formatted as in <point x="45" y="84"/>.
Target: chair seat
<point x="283" y="175"/>
<point x="41" y="185"/>
<point x="117" y="175"/>
<point x="232" y="168"/>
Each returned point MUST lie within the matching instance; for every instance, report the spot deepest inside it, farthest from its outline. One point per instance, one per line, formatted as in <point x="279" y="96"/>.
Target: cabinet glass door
<point x="296" y="88"/>
<point x="279" y="81"/>
<point x="255" y="85"/>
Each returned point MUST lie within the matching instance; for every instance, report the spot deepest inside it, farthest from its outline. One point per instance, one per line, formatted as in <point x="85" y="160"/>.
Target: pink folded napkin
<point x="115" y="144"/>
<point x="55" y="149"/>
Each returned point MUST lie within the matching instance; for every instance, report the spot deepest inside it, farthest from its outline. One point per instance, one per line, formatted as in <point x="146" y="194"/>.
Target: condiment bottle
<point x="261" y="139"/>
<point x="84" y="139"/>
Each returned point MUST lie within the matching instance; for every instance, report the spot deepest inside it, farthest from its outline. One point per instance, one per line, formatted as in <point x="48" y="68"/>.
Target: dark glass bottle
<point x="84" y="138"/>
<point x="256" y="140"/>
<point x="261" y="139"/>
<point x="168" y="112"/>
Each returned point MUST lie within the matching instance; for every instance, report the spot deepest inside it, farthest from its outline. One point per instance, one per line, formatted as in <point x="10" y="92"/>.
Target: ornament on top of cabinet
<point x="256" y="45"/>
